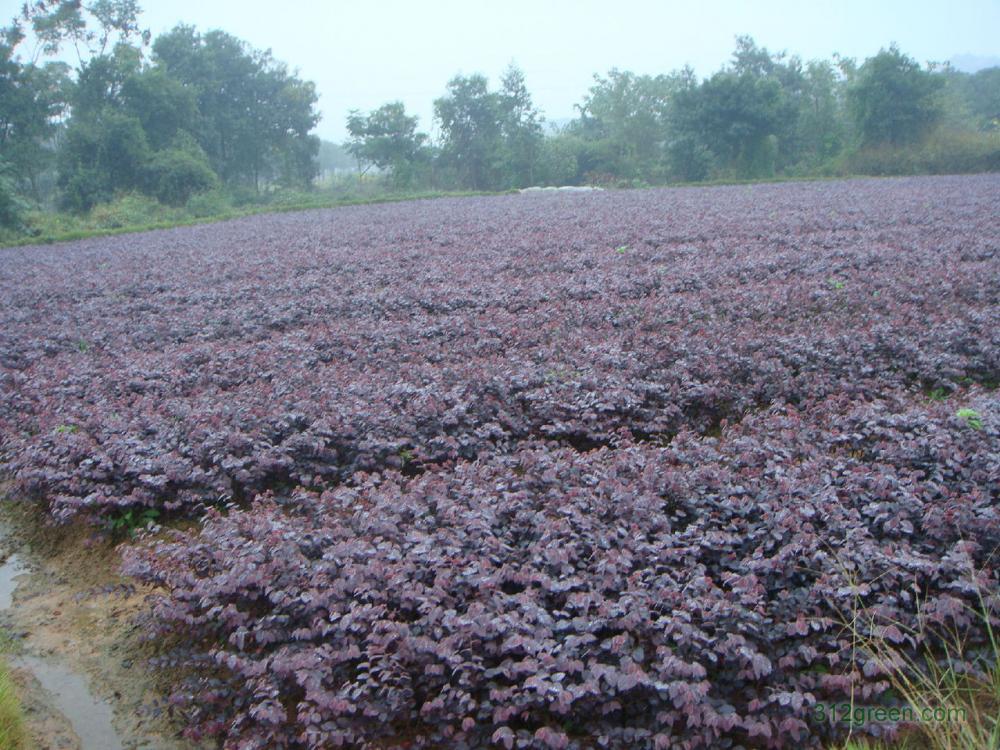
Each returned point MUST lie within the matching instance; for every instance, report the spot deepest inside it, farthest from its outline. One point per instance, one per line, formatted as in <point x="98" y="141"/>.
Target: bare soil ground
<point x="71" y="606"/>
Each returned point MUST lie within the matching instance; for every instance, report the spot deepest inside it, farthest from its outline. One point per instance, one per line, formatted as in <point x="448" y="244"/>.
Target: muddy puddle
<point x="68" y="634"/>
<point x="9" y="571"/>
<point x="89" y="718"/>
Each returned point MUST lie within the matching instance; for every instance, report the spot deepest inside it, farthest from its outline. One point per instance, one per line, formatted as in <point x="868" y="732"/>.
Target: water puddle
<point x="89" y="716"/>
<point x="10" y="570"/>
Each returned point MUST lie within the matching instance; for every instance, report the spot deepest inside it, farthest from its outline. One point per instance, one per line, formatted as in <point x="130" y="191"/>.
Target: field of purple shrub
<point x="564" y="471"/>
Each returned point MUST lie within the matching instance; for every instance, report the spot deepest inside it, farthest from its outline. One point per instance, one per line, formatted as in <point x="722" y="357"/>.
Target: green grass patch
<point x="971" y="417"/>
<point x="137" y="213"/>
<point x="13" y="734"/>
<point x="937" y="683"/>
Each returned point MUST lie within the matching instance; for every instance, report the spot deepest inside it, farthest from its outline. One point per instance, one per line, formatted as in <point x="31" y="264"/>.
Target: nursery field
<point x="625" y="469"/>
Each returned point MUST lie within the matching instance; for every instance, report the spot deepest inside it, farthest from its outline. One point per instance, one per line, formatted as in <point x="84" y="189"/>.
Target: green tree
<point x="117" y="19"/>
<point x="282" y="115"/>
<point x="255" y="117"/>
<point x="12" y="206"/>
<point x="163" y="105"/>
<point x="743" y="120"/>
<point x="104" y="148"/>
<point x="559" y="159"/>
<point x="740" y="114"/>
<point x="101" y="154"/>
<point x="984" y="98"/>
<point x="174" y="174"/>
<point x="688" y="158"/>
<point x="57" y="23"/>
<point x="388" y="139"/>
<point x="520" y="129"/>
<point x="33" y="98"/>
<point x="893" y="100"/>
<point x="470" y="120"/>
<point x="100" y="82"/>
<point x="822" y="131"/>
<point x="759" y="63"/>
<point x="625" y="116"/>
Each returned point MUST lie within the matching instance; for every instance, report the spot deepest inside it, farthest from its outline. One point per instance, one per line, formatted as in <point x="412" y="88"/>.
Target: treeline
<point x="204" y="122"/>
<point x="762" y="115"/>
<point x="185" y="114"/>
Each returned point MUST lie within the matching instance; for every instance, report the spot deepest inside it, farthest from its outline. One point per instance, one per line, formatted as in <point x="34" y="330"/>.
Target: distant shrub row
<point x="946" y="152"/>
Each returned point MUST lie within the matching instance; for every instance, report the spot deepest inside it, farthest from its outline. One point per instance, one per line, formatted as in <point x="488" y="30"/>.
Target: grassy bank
<point x="138" y="213"/>
<point x="950" y="707"/>
<point x="13" y="735"/>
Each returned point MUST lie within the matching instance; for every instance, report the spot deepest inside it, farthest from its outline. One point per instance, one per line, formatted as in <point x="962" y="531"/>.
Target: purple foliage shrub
<point x="634" y="597"/>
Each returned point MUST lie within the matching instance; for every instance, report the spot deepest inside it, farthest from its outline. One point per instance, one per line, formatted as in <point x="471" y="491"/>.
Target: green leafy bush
<point x="83" y="189"/>
<point x="101" y="156"/>
<point x="209" y="203"/>
<point x="558" y="162"/>
<point x="131" y="209"/>
<point x="12" y="207"/>
<point x="175" y="174"/>
<point x="971" y="417"/>
<point x="943" y="152"/>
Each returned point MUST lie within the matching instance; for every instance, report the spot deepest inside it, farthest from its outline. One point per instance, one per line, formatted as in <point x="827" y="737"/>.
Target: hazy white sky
<point x="363" y="53"/>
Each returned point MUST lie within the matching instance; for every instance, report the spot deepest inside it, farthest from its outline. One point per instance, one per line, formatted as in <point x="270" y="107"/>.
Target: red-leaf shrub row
<point x="552" y="471"/>
<point x="189" y="367"/>
<point x="638" y="597"/>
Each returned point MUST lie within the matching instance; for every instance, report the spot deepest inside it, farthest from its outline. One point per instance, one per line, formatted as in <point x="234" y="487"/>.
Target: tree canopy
<point x="388" y="139"/>
<point x="194" y="111"/>
<point x="893" y="100"/>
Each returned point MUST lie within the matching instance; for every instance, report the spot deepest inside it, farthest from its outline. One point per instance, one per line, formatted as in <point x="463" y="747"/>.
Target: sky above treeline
<point x="364" y="54"/>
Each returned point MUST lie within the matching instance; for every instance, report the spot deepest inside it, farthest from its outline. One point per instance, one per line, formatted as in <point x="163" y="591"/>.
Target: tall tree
<point x="758" y="64"/>
<point x="91" y="29"/>
<point x="893" y="100"/>
<point x="740" y="114"/>
<point x="162" y="104"/>
<point x="984" y="98"/>
<point x="626" y="116"/>
<point x="388" y="139"/>
<point x="470" y="121"/>
<point x="688" y="157"/>
<point x="100" y="81"/>
<point x="101" y="153"/>
<point x="743" y="120"/>
<point x="822" y="132"/>
<point x="255" y="117"/>
<point x="33" y="98"/>
<point x="520" y="128"/>
<point x="12" y="206"/>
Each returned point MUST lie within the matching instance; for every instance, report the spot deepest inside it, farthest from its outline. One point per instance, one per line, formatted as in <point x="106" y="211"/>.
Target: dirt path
<point x="70" y="638"/>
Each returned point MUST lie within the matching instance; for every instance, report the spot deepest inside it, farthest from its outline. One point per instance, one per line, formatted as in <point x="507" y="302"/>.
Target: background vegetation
<point x="140" y="132"/>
